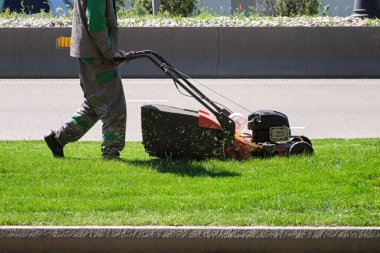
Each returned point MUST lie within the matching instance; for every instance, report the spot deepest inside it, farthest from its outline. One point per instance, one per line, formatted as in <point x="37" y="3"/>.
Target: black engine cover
<point x="173" y="132"/>
<point x="261" y="121"/>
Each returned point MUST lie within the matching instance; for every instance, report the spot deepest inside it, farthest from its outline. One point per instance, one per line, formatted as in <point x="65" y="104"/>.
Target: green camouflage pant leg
<point x="104" y="90"/>
<point x="79" y="123"/>
<point x="113" y="134"/>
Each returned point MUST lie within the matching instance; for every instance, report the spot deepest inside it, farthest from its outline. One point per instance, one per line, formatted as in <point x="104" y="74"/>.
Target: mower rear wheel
<point x="301" y="148"/>
<point x="302" y="138"/>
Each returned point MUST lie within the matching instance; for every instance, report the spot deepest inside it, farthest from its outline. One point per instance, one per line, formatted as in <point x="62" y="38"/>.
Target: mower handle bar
<point x="139" y="54"/>
<point x="165" y="66"/>
<point x="228" y="126"/>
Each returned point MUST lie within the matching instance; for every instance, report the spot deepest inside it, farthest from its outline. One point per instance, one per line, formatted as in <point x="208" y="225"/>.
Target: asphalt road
<point x="316" y="108"/>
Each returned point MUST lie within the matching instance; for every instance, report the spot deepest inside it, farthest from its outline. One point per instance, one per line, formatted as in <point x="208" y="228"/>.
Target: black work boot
<point x="112" y="157"/>
<point x="53" y="144"/>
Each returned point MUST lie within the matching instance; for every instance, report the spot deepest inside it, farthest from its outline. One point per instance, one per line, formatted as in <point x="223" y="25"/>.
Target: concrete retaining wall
<point x="247" y="52"/>
<point x="189" y="239"/>
<point x="193" y="51"/>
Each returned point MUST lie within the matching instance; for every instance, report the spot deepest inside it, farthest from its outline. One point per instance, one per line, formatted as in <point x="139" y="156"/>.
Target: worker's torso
<point x="82" y="44"/>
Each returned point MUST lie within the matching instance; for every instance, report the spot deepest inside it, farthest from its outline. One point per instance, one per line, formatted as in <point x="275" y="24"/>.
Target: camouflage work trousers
<point x="103" y="99"/>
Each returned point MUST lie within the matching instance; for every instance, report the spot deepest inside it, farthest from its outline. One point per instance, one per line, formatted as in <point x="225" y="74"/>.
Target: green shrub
<point x="144" y="4"/>
<point x="182" y="8"/>
<point x="119" y="5"/>
<point x="297" y="7"/>
<point x="142" y="7"/>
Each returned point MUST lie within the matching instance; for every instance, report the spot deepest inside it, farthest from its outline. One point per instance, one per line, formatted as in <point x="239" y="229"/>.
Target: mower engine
<point x="271" y="135"/>
<point x="268" y="126"/>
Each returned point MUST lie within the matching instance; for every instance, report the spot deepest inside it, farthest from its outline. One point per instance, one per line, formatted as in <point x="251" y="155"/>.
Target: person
<point x="94" y="38"/>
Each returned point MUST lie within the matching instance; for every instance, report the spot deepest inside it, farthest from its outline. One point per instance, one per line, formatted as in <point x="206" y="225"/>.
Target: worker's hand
<point x="117" y="55"/>
<point x="128" y="54"/>
<point x="122" y="54"/>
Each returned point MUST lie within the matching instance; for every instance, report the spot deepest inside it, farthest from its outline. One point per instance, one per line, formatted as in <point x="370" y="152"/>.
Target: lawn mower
<point x="212" y="132"/>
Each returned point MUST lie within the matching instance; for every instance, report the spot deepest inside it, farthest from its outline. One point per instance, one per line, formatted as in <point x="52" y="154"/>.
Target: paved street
<point x="316" y="108"/>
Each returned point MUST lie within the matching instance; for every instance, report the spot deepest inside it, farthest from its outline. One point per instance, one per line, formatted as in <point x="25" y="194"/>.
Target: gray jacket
<point x="94" y="31"/>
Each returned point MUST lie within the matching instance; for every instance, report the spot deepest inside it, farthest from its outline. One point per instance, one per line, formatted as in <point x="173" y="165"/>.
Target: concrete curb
<point x="188" y="239"/>
<point x="190" y="232"/>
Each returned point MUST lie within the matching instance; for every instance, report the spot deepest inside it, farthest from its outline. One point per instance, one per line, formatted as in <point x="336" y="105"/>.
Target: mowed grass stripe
<point x="338" y="186"/>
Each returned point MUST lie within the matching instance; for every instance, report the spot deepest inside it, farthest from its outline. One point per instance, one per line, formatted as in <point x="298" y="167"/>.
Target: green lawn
<point x="339" y="185"/>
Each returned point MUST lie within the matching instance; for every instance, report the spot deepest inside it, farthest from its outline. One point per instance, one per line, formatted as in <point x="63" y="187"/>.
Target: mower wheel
<point x="301" y="148"/>
<point x="305" y="139"/>
<point x="302" y="138"/>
